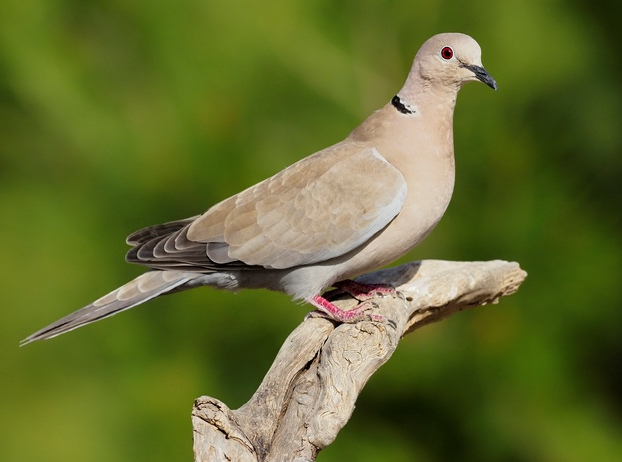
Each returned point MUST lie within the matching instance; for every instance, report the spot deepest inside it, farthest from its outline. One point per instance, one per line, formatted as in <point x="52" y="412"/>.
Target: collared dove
<point x="350" y="208"/>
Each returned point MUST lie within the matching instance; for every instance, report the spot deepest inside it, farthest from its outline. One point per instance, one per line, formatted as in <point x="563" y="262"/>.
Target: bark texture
<point x="309" y="392"/>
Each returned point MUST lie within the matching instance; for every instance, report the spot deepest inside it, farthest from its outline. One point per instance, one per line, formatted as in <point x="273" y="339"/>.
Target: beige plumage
<point x="343" y="211"/>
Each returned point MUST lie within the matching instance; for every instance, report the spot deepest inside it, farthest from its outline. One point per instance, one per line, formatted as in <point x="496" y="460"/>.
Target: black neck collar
<point x="403" y="108"/>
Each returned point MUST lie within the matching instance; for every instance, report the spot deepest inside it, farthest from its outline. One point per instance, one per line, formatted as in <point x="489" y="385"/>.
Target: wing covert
<point x="315" y="210"/>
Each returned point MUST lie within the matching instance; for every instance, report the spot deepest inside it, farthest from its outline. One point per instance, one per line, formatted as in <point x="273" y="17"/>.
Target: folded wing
<point x="317" y="209"/>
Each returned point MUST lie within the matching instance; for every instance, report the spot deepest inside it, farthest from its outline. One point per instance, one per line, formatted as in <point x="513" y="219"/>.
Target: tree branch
<point x="309" y="392"/>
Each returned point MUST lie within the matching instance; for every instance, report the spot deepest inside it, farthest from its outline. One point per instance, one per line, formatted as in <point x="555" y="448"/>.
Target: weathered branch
<point x="308" y="394"/>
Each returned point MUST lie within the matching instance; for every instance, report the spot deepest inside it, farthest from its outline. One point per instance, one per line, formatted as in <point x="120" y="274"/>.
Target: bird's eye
<point x="447" y="53"/>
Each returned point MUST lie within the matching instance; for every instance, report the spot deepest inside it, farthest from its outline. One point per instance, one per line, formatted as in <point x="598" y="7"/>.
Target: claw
<point x="328" y="310"/>
<point x="331" y="311"/>
<point x="360" y="291"/>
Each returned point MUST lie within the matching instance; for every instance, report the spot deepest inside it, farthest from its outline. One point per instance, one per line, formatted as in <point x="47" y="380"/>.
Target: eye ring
<point x="447" y="53"/>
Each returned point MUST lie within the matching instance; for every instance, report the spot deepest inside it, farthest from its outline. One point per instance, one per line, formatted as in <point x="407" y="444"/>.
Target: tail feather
<point x="145" y="287"/>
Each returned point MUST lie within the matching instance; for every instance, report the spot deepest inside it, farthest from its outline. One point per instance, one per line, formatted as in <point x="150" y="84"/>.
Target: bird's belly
<point x="402" y="235"/>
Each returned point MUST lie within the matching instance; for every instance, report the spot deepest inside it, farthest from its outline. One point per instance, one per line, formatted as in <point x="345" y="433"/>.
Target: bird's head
<point x="451" y="60"/>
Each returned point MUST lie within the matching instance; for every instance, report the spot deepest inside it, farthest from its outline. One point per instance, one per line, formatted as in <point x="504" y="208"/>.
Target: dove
<point x="353" y="207"/>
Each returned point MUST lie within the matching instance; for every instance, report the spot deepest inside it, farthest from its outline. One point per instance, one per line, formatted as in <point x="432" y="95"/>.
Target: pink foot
<point x="331" y="311"/>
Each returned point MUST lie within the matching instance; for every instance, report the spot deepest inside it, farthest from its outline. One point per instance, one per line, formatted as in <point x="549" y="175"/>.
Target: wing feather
<point x="319" y="208"/>
<point x="312" y="211"/>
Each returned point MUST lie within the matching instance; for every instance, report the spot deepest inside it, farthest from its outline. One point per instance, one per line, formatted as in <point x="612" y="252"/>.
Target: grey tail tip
<point x="34" y="338"/>
<point x="26" y="341"/>
<point x="92" y="313"/>
<point x="53" y="330"/>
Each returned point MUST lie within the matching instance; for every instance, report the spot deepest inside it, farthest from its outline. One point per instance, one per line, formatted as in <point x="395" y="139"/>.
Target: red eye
<point x="447" y="53"/>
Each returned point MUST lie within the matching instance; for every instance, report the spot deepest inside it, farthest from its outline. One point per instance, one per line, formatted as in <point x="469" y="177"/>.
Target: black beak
<point x="482" y="75"/>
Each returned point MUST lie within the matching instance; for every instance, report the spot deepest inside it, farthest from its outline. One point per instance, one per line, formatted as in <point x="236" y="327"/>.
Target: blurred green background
<point x="115" y="115"/>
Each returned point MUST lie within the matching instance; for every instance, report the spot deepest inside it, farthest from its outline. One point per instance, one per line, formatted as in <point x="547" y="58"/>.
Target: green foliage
<point x="116" y="115"/>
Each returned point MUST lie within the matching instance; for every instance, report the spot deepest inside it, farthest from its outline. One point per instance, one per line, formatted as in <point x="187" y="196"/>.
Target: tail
<point x="145" y="287"/>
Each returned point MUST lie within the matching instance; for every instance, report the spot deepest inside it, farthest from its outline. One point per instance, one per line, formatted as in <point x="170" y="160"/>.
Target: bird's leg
<point x="329" y="310"/>
<point x="359" y="290"/>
